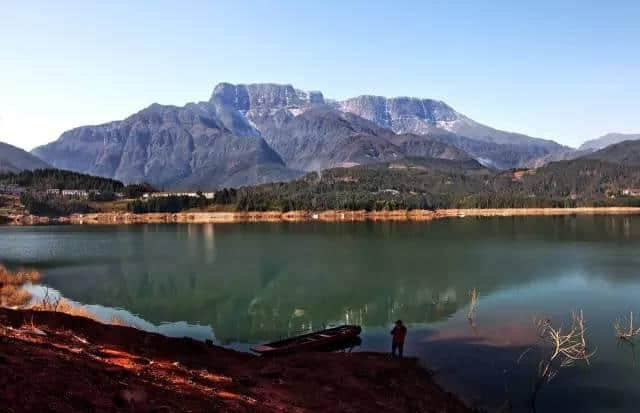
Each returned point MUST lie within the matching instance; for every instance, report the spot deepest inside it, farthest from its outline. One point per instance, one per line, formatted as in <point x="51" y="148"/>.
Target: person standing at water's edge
<point x="398" y="333"/>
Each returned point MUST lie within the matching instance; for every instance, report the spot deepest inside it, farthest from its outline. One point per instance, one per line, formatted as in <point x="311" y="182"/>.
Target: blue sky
<point x="565" y="70"/>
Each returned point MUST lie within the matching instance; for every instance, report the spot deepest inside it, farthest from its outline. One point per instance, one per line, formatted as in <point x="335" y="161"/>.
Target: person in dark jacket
<point x="398" y="333"/>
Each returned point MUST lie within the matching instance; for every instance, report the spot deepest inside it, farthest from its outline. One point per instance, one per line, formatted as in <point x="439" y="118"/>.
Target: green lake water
<point x="241" y="284"/>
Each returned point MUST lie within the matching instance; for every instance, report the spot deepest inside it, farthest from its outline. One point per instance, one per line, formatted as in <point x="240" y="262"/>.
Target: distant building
<point x="12" y="189"/>
<point x="631" y="192"/>
<point x="75" y="193"/>
<point x="208" y="195"/>
<point x="391" y="191"/>
<point x="53" y="192"/>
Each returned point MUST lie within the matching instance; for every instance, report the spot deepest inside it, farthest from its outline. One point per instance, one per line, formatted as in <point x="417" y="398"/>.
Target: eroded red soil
<point x="60" y="363"/>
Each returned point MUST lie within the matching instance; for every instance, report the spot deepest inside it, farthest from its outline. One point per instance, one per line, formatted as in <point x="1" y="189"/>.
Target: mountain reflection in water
<point x="248" y="283"/>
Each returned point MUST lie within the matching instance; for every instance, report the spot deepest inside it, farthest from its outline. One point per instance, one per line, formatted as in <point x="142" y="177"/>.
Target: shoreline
<point x="77" y="364"/>
<point x="197" y="217"/>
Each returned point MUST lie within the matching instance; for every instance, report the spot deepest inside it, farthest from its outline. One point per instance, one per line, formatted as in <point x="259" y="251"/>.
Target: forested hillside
<point x="42" y="179"/>
<point x="627" y="153"/>
<point x="432" y="184"/>
<point x="414" y="183"/>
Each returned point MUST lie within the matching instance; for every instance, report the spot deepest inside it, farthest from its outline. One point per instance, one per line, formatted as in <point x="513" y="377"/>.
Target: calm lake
<point x="241" y="284"/>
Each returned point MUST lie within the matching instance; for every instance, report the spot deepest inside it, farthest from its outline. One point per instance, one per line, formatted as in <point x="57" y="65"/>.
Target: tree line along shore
<point x="409" y="188"/>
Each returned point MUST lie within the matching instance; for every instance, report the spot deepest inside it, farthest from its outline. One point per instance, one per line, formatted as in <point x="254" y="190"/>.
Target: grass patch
<point x="11" y="292"/>
<point x="57" y="304"/>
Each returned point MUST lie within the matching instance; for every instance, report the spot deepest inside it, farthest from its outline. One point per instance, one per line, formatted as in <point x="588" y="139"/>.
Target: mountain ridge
<point x="584" y="150"/>
<point x="623" y="153"/>
<point x="607" y="140"/>
<point x="14" y="159"/>
<point x="265" y="132"/>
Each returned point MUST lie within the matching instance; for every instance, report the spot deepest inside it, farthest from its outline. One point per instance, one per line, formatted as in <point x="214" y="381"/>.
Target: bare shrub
<point x="567" y="347"/>
<point x="625" y="330"/>
<point x="473" y="306"/>
<point x="473" y="303"/>
<point x="70" y="308"/>
<point x="57" y="304"/>
<point x="48" y="302"/>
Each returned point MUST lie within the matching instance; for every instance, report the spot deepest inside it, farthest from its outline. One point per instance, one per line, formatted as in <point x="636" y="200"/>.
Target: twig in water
<point x="567" y="348"/>
<point x="626" y="331"/>
<point x="473" y="304"/>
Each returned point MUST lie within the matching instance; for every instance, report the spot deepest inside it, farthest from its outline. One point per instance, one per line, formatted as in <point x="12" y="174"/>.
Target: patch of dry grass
<point x="57" y="304"/>
<point x="11" y="292"/>
<point x="17" y="278"/>
<point x="13" y="296"/>
<point x="118" y="321"/>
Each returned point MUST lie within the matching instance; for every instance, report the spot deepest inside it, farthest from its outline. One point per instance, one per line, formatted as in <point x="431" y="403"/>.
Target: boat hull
<point x="325" y="340"/>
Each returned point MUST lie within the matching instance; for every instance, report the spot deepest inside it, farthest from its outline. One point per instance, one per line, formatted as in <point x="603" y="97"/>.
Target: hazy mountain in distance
<point x="584" y="150"/>
<point x="567" y="155"/>
<point x="13" y="159"/>
<point x="608" y="139"/>
<point x="625" y="153"/>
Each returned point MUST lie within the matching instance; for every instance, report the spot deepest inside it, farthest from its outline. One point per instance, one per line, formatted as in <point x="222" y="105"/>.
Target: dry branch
<point x="624" y="328"/>
<point x="568" y="346"/>
<point x="473" y="304"/>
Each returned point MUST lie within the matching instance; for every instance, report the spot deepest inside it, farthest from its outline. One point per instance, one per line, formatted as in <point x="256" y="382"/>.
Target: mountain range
<point x="257" y="133"/>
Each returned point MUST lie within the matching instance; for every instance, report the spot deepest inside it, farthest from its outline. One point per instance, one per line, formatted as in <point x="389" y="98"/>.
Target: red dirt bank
<point x="60" y="363"/>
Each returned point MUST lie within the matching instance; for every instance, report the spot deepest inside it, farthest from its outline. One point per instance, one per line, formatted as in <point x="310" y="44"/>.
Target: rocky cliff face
<point x="493" y="147"/>
<point x="312" y="135"/>
<point x="392" y="113"/>
<point x="263" y="97"/>
<point x="247" y="134"/>
<point x="173" y="147"/>
<point x="14" y="159"/>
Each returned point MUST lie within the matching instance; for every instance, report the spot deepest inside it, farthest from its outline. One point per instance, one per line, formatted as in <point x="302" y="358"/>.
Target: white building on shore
<point x="76" y="193"/>
<point x="208" y="195"/>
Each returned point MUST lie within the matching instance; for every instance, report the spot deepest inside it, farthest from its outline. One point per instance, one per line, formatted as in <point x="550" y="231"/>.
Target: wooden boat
<point x="317" y="341"/>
